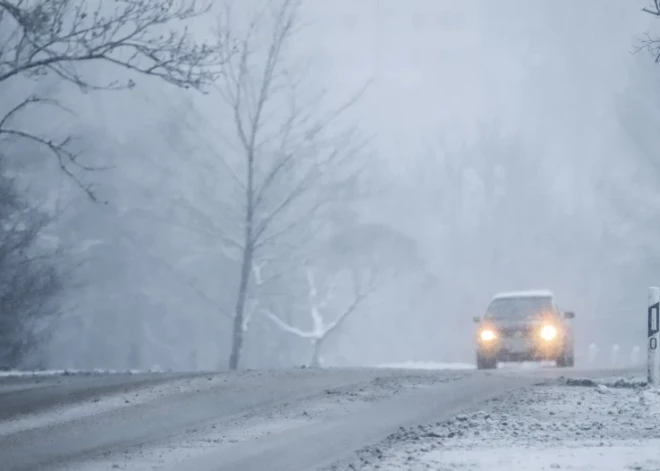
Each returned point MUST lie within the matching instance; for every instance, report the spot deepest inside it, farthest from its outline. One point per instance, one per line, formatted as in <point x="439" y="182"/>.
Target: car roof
<point x="540" y="293"/>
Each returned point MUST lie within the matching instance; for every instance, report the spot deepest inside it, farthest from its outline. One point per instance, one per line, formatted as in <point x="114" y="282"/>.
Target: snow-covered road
<point x="278" y="420"/>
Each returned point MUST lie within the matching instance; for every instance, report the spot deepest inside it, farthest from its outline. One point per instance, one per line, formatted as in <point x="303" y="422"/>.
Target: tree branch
<point x="289" y="328"/>
<point x="58" y="34"/>
<point x="60" y="151"/>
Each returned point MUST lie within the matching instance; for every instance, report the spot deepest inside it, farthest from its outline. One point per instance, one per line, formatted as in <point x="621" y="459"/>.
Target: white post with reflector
<point x="614" y="359"/>
<point x="653" y="374"/>
<point x="634" y="356"/>
<point x="593" y="353"/>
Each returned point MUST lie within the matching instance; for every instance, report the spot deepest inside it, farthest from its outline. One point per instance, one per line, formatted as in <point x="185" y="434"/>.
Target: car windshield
<point x="518" y="308"/>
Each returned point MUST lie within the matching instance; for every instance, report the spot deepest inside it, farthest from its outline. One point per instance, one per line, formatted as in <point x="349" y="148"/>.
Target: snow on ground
<point x="575" y="424"/>
<point x="525" y="365"/>
<point x="431" y="365"/>
<point x="21" y="373"/>
<point x="428" y="365"/>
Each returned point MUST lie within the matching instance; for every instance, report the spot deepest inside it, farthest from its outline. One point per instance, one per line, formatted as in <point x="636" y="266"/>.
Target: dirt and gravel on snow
<point x="570" y="424"/>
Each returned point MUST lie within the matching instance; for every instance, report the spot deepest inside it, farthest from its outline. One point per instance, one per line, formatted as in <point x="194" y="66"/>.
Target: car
<point x="524" y="326"/>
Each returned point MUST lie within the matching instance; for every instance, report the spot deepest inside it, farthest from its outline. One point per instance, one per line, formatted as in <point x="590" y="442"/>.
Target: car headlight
<point x="487" y="335"/>
<point x="548" y="332"/>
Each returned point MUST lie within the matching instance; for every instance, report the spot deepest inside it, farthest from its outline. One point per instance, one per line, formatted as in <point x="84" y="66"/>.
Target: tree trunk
<point x="248" y="254"/>
<point x="239" y="312"/>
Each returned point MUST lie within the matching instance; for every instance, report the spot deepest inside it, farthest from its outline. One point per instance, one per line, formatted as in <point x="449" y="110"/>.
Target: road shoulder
<point x="567" y="424"/>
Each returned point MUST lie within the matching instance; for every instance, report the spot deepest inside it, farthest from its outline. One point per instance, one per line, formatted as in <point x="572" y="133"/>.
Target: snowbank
<point x="573" y="425"/>
<point x="20" y="373"/>
<point x="613" y="382"/>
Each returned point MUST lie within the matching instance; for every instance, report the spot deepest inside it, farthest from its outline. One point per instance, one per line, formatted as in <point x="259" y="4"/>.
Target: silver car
<point x="524" y="326"/>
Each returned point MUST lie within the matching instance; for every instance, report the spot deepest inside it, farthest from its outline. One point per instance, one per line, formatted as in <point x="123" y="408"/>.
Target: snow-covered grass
<point x="613" y="424"/>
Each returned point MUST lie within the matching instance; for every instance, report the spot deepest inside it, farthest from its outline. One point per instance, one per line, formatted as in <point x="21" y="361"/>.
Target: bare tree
<point x="59" y="38"/>
<point x="650" y="42"/>
<point x="29" y="280"/>
<point x="361" y="286"/>
<point x="290" y="160"/>
<point x="355" y="264"/>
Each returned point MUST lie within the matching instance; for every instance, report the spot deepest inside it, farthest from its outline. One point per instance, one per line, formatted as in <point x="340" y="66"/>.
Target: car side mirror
<point x="569" y="315"/>
<point x="476" y="319"/>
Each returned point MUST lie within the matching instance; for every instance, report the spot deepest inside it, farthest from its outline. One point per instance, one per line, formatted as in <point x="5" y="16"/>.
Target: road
<point x="276" y="420"/>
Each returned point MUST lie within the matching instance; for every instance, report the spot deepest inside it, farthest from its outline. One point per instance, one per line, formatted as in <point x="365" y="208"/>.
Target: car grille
<point x="526" y="331"/>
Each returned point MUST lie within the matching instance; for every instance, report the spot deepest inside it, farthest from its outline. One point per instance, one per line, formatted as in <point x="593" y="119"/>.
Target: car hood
<point x="516" y="323"/>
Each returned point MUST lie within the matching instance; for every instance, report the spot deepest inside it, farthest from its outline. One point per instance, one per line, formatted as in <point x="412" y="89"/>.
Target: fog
<point x="510" y="145"/>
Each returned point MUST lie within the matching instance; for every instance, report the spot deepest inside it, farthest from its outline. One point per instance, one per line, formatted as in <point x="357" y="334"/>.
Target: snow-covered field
<point x="577" y="425"/>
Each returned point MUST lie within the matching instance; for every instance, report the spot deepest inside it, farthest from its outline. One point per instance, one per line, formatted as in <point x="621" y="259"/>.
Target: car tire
<point x="486" y="363"/>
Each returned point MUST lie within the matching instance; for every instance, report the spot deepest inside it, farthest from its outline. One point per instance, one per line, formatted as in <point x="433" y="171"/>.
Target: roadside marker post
<point x="614" y="359"/>
<point x="653" y="331"/>
<point x="634" y="356"/>
<point x="593" y="353"/>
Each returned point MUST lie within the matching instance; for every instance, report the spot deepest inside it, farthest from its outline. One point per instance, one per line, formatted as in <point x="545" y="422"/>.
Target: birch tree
<point x="63" y="39"/>
<point x="289" y="160"/>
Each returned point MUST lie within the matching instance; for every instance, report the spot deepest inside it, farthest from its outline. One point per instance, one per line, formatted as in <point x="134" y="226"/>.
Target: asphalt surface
<point x="28" y="394"/>
<point x="224" y="421"/>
